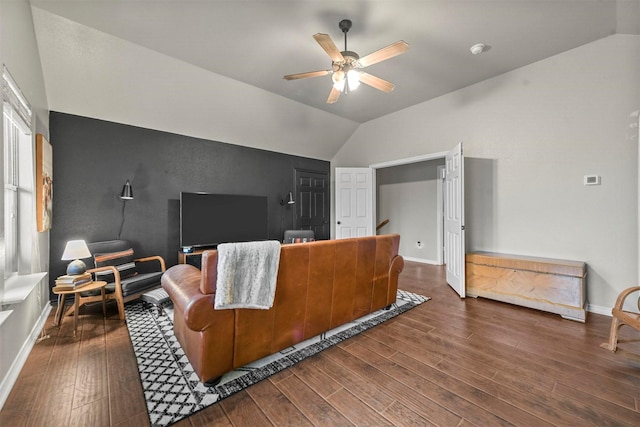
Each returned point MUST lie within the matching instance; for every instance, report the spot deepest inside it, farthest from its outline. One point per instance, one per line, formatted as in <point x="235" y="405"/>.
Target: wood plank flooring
<point x="448" y="362"/>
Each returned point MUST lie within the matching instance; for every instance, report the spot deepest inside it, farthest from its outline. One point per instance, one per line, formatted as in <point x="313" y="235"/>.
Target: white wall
<point x="94" y="74"/>
<point x="407" y="196"/>
<point x="530" y="136"/>
<point x="18" y="51"/>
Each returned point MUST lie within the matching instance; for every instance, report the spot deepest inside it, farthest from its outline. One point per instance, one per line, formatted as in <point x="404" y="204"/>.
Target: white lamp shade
<point x="76" y="249"/>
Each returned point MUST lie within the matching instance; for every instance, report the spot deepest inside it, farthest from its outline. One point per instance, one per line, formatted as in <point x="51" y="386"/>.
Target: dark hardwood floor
<point x="448" y="362"/>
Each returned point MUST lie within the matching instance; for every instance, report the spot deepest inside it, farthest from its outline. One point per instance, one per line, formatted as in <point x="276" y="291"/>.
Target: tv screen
<point x="210" y="219"/>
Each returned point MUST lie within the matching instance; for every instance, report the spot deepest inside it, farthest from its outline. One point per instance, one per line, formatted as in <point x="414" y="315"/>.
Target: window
<point x="17" y="153"/>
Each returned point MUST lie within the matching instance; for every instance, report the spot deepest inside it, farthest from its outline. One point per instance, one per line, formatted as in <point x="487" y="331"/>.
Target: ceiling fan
<point x="345" y="66"/>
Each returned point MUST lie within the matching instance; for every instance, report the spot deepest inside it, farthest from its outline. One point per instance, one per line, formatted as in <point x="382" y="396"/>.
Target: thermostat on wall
<point x="592" y="180"/>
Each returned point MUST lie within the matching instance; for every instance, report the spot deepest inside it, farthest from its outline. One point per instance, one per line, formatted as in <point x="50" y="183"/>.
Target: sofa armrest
<point x="153" y="258"/>
<point x="182" y="283"/>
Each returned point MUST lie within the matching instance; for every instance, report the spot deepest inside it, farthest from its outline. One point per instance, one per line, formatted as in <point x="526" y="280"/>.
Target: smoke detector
<point x="477" y="49"/>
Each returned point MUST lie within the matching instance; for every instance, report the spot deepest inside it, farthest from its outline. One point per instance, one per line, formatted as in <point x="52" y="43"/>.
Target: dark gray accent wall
<point x="92" y="159"/>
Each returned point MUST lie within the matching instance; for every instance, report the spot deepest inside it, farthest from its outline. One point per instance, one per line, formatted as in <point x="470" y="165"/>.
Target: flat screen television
<point x="210" y="219"/>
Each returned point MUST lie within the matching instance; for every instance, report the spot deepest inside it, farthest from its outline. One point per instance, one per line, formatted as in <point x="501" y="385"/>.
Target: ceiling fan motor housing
<point x="350" y="60"/>
<point x="350" y="55"/>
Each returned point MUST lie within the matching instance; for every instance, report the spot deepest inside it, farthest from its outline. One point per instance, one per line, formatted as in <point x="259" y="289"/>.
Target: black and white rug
<point x="173" y="391"/>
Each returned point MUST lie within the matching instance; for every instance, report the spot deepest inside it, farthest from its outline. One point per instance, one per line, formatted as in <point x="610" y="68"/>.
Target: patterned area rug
<point x="173" y="391"/>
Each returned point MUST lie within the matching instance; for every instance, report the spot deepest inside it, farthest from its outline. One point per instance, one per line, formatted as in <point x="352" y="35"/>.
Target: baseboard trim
<point x="598" y="309"/>
<point x="421" y="260"/>
<point x="14" y="371"/>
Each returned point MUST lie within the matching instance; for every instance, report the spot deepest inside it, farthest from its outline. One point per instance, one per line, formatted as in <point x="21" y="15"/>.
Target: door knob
<point x="338" y="222"/>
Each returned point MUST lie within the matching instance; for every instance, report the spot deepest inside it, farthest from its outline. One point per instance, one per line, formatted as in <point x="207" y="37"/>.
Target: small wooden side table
<point x="62" y="292"/>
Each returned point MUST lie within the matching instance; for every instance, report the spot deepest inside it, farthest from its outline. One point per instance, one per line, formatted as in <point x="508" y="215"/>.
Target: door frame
<point x="417" y="159"/>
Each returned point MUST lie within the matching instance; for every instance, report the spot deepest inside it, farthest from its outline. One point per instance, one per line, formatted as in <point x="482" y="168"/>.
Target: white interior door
<point x="454" y="239"/>
<point x="354" y="202"/>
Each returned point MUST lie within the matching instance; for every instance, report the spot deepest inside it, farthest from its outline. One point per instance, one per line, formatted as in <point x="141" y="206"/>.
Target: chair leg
<point x="120" y="308"/>
<point x="613" y="335"/>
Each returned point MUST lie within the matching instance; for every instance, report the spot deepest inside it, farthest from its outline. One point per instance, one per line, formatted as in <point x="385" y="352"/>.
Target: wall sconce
<point x="288" y="201"/>
<point x="126" y="194"/>
<point x="284" y="202"/>
<point x="76" y="250"/>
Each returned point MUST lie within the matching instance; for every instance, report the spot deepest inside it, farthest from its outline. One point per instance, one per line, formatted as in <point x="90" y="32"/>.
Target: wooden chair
<point x="114" y="263"/>
<point x="622" y="317"/>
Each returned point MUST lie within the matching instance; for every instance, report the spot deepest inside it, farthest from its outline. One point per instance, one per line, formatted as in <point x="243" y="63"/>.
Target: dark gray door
<point x="312" y="202"/>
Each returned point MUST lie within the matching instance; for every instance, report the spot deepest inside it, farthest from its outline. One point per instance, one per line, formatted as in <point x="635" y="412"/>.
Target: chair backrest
<point x="108" y="246"/>
<point x="117" y="253"/>
<point x="290" y="236"/>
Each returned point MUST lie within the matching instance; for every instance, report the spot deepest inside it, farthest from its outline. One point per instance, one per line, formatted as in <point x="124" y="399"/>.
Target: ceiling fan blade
<point x="376" y="82"/>
<point x="329" y="46"/>
<point x="306" y="75"/>
<point x="385" y="53"/>
<point x="333" y="95"/>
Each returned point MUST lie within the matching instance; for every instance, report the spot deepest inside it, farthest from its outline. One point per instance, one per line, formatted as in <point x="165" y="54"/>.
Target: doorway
<point x="410" y="198"/>
<point x="452" y="199"/>
<point x="409" y="193"/>
<point x="453" y="213"/>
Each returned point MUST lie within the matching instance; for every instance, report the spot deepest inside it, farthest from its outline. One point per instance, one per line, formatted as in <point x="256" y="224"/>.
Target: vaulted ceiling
<point x="257" y="42"/>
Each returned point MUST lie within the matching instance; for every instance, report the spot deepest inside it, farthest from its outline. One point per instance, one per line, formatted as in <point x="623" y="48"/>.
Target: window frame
<point x="17" y="164"/>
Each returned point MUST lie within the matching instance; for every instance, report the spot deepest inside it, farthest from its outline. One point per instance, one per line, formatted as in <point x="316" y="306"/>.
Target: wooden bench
<point x="553" y="285"/>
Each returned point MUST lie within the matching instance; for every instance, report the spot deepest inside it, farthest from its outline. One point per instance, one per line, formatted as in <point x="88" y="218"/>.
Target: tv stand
<point x="194" y="257"/>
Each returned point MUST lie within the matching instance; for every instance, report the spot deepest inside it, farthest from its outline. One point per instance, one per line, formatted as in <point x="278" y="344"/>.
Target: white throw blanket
<point x="247" y="274"/>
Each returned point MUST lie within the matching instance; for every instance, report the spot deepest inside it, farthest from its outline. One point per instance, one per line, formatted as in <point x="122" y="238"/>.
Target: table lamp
<point x="75" y="250"/>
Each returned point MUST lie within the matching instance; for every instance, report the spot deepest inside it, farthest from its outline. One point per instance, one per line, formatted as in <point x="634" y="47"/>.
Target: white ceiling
<point x="258" y="41"/>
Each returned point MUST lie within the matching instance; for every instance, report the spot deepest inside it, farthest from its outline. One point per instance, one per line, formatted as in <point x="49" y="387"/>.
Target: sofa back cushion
<point x="321" y="285"/>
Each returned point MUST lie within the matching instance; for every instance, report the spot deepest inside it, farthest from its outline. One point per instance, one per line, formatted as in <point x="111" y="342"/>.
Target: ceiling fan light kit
<point x="345" y="65"/>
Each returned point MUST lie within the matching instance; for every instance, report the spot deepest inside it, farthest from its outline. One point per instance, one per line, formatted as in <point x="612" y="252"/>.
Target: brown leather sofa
<point x="320" y="286"/>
